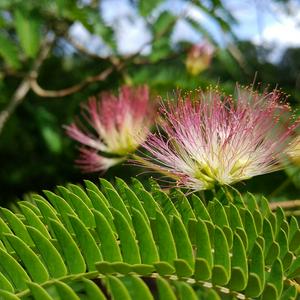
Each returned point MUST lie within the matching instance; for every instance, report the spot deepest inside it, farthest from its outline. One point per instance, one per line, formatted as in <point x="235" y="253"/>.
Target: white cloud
<point x="281" y="34"/>
<point x="132" y="33"/>
<point x="184" y="32"/>
<point x="285" y="32"/>
<point x="92" y="42"/>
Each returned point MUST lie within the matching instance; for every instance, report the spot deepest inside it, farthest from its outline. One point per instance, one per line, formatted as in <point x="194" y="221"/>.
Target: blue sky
<point x="262" y="21"/>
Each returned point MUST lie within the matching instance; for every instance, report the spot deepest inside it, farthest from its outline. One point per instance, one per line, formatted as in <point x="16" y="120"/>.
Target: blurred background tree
<point x="54" y="54"/>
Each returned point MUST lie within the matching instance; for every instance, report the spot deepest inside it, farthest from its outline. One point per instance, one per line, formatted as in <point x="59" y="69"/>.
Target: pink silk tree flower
<point x="211" y="139"/>
<point x="199" y="58"/>
<point x="115" y="126"/>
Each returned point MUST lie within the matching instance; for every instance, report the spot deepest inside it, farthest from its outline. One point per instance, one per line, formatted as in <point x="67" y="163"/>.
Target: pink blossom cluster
<point x="209" y="139"/>
<point x="112" y="127"/>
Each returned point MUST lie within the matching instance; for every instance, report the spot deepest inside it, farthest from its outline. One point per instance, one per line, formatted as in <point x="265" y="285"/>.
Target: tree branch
<point x="116" y="65"/>
<point x="82" y="49"/>
<point x="70" y="90"/>
<point x="24" y="86"/>
<point x="285" y="204"/>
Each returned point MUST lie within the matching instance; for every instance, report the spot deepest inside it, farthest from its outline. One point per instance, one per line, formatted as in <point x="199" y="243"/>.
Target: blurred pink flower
<point x="199" y="58"/>
<point x="211" y="139"/>
<point x="116" y="126"/>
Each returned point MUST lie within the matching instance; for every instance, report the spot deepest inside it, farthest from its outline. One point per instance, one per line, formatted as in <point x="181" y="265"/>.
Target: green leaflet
<point x="92" y="290"/>
<point x="117" y="289"/>
<point x="64" y="291"/>
<point x="49" y="254"/>
<point x="182" y="268"/>
<point x="33" y="220"/>
<point x="31" y="261"/>
<point x="70" y="250"/>
<point x="128" y="245"/>
<point x="150" y="205"/>
<point x="165" y="203"/>
<point x="38" y="292"/>
<point x="87" y="244"/>
<point x="164" y="290"/>
<point x="5" y="284"/>
<point x="217" y="213"/>
<point x="47" y="211"/>
<point x="250" y="228"/>
<point x="117" y="203"/>
<point x="90" y="186"/>
<point x="165" y="241"/>
<point x="183" y="206"/>
<point x="257" y="273"/>
<point x="222" y="267"/>
<point x="109" y="247"/>
<point x="183" y="245"/>
<point x="78" y="191"/>
<point x="203" y="246"/>
<point x="133" y="200"/>
<point x="276" y="276"/>
<point x="17" y="226"/>
<point x="62" y="207"/>
<point x="200" y="209"/>
<point x="79" y="207"/>
<point x="15" y="273"/>
<point x="136" y="287"/>
<point x="148" y="250"/>
<point x="186" y="292"/>
<point x="239" y="265"/>
<point x="101" y="205"/>
<point x="5" y="295"/>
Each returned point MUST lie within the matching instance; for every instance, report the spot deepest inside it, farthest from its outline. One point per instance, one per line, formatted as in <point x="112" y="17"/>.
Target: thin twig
<point x="285" y="204"/>
<point x="70" y="90"/>
<point x="16" y="99"/>
<point x="24" y="85"/>
<point x="295" y="213"/>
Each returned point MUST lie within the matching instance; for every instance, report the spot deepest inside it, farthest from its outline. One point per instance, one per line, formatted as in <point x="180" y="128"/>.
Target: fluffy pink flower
<point x="199" y="58"/>
<point x="115" y="127"/>
<point x="210" y="139"/>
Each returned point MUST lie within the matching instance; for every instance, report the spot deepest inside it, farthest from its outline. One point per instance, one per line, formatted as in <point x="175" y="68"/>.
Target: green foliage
<point x="125" y="242"/>
<point x="28" y="31"/>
